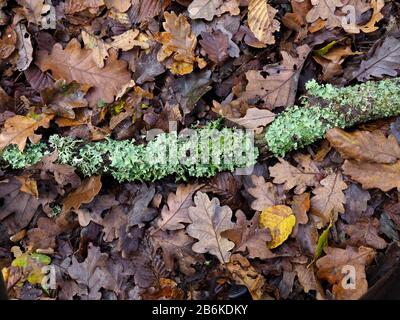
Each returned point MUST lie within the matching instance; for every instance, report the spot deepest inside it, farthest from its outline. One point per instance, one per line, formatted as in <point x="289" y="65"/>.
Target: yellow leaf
<point x="280" y="221"/>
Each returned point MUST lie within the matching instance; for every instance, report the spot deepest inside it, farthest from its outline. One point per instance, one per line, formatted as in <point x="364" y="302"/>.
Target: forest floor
<point x="321" y="223"/>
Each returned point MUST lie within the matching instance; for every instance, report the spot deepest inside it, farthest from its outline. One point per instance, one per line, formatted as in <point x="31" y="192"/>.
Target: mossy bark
<point x="221" y="149"/>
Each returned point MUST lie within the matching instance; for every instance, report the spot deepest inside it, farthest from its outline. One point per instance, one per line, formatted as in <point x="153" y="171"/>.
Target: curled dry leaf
<point x="340" y="264"/>
<point x="18" y="129"/>
<point x="261" y="21"/>
<point x="325" y="10"/>
<point x="352" y="27"/>
<point x="179" y="42"/>
<point x="244" y="273"/>
<point x="24" y="46"/>
<point x="365" y="146"/>
<point x="29" y="186"/>
<point x="85" y="193"/>
<point x="209" y="219"/>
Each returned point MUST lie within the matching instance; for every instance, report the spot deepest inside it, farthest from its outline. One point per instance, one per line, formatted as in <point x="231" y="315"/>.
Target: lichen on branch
<point x="205" y="151"/>
<point x="325" y="107"/>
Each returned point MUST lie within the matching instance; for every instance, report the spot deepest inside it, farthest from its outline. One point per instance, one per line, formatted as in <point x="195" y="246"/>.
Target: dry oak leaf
<point x="208" y="9"/>
<point x="377" y="6"/>
<point x="265" y="193"/>
<point x="308" y="280"/>
<point x="92" y="273"/>
<point x="179" y="42"/>
<point x="99" y="49"/>
<point x="374" y="175"/>
<point x="245" y="274"/>
<point x="300" y="205"/>
<point x="215" y="45"/>
<point x="279" y="220"/>
<point x="177" y="249"/>
<point x="279" y="87"/>
<point x="32" y="10"/>
<point x="301" y="177"/>
<point x="85" y="193"/>
<point x="74" y="63"/>
<point x="29" y="186"/>
<point x="385" y="61"/>
<point x="328" y="199"/>
<point x="8" y="42"/>
<point x="325" y="10"/>
<point x="365" y="146"/>
<point x="255" y="118"/>
<point x="176" y="212"/>
<point x="119" y="5"/>
<point x="209" y="219"/>
<point x="336" y="266"/>
<point x="18" y="129"/>
<point x="75" y="6"/>
<point x="365" y="233"/>
<point x="24" y="46"/>
<point x="247" y="236"/>
<point x="260" y="18"/>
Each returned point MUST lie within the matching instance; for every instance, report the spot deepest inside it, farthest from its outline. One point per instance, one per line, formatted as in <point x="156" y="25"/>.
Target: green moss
<point x="19" y="160"/>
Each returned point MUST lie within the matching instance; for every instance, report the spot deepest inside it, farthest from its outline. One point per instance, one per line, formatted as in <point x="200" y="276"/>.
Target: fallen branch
<point x="206" y="151"/>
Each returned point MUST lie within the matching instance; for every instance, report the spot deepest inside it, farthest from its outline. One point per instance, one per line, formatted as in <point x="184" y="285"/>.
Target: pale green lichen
<point x="65" y="146"/>
<point x="300" y="126"/>
<point x="198" y="153"/>
<point x="19" y="160"/>
<point x="326" y="106"/>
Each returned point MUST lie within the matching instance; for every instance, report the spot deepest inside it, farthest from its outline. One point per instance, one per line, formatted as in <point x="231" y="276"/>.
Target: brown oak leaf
<point x="365" y="146"/>
<point x="328" y="199"/>
<point x="179" y="42"/>
<point x="215" y="45"/>
<point x="85" y="193"/>
<point x="209" y="219"/>
<point x="374" y="175"/>
<point x="18" y="129"/>
<point x="365" y="233"/>
<point x="340" y="263"/>
<point x="75" y="64"/>
<point x="176" y="212"/>
<point x="248" y="236"/>
<point x="279" y="86"/>
<point x="306" y="175"/>
<point x="265" y="193"/>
